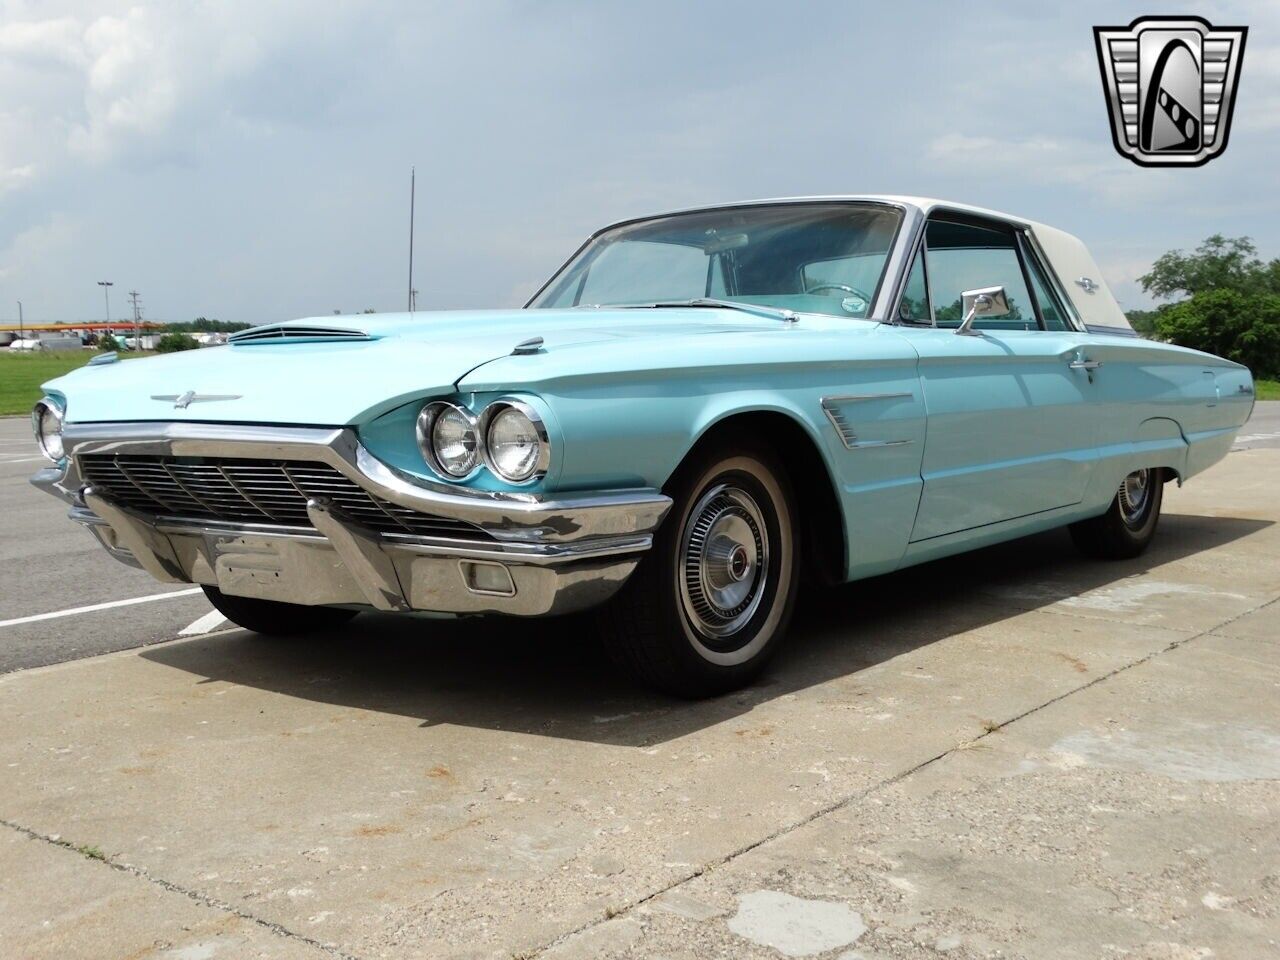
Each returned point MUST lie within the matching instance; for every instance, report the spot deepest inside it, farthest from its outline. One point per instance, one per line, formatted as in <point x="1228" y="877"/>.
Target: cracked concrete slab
<point x="408" y="788"/>
<point x="60" y="903"/>
<point x="1158" y="839"/>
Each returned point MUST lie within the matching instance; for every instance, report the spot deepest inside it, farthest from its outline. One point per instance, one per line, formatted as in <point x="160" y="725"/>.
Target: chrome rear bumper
<point x="532" y="555"/>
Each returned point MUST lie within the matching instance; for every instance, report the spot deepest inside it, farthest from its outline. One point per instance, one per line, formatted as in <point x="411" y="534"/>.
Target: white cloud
<point x="145" y="79"/>
<point x="1043" y="159"/>
<point x="1258" y="93"/>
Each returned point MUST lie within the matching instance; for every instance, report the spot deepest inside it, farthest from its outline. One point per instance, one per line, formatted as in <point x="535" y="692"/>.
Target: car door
<point x="1009" y="428"/>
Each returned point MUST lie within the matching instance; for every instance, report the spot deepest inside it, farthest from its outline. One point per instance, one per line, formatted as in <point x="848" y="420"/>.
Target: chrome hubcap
<point x="1134" y="493"/>
<point x="724" y="559"/>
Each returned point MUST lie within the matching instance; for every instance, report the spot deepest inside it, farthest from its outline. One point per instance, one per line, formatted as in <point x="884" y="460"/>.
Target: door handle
<point x="1085" y="364"/>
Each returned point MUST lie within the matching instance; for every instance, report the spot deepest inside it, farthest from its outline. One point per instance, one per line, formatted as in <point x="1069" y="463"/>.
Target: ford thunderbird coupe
<point x="698" y="412"/>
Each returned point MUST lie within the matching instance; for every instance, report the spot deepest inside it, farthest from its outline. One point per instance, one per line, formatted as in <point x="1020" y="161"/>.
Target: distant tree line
<point x="204" y="325"/>
<point x="1229" y="302"/>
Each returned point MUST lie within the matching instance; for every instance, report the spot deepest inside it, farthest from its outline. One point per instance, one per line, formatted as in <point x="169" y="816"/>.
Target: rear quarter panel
<point x="1163" y="405"/>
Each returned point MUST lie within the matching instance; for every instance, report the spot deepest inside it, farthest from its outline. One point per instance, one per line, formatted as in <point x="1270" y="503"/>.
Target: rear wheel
<point x="710" y="603"/>
<point x="1129" y="525"/>
<point x="274" y="618"/>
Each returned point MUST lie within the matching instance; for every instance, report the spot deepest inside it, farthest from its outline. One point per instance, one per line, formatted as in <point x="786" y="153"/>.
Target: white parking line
<point x="98" y="606"/>
<point x="203" y="625"/>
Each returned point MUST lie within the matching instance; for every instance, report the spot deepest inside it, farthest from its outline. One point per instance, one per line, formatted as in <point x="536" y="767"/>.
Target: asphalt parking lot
<point x="1017" y="753"/>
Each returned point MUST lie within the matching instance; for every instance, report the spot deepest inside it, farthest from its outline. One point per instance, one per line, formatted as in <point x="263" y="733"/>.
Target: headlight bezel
<point x="425" y="429"/>
<point x="542" y="462"/>
<point x="42" y="407"/>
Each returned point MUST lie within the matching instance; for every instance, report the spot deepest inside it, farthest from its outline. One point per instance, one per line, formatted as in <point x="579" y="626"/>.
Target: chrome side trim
<point x="361" y="554"/>
<point x="854" y="397"/>
<point x="844" y="429"/>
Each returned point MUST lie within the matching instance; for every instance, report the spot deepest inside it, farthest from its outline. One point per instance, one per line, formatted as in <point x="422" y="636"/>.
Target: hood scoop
<point x="296" y="333"/>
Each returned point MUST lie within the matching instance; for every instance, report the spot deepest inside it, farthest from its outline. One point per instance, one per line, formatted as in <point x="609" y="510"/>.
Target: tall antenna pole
<point x="413" y="175"/>
<point x="137" y="321"/>
<point x="21" y="334"/>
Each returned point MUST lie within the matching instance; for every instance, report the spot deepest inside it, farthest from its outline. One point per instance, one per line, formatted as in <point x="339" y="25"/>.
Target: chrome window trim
<point x="1024" y="242"/>
<point x="915" y="246"/>
<point x="1057" y="288"/>
<point x="892" y="266"/>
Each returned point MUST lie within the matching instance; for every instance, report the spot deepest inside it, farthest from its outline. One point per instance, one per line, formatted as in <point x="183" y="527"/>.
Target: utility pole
<point x="21" y="335"/>
<point x="137" y="320"/>
<point x="413" y="175"/>
<point x="106" y="286"/>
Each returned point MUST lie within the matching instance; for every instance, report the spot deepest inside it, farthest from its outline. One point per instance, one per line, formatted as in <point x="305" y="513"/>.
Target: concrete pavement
<point x="48" y="564"/>
<point x="1016" y="753"/>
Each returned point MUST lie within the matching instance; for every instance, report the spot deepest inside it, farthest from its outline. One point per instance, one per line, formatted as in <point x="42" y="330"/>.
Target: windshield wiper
<point x="773" y="313"/>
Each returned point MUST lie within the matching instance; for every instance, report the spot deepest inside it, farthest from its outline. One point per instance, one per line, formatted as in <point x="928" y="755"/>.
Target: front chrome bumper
<point x="558" y="554"/>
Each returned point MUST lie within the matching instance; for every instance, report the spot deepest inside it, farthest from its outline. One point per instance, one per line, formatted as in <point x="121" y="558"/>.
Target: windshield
<point x="810" y="257"/>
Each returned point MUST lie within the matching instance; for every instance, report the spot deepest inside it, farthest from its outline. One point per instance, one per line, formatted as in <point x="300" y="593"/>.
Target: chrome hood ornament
<point x="181" y="401"/>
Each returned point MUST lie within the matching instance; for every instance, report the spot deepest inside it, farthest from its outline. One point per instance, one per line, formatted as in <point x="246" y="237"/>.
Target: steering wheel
<point x="844" y="288"/>
<point x="839" y="286"/>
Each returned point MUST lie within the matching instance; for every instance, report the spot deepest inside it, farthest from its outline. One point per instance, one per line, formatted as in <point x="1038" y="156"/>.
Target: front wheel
<point x="710" y="603"/>
<point x="1129" y="525"/>
<point x="276" y="619"/>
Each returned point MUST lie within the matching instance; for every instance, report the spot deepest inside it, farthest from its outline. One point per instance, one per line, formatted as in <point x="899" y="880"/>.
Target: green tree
<point x="205" y="325"/>
<point x="1238" y="325"/>
<point x="107" y="343"/>
<point x="173" y="342"/>
<point x="1143" y="321"/>
<point x="1220" y="263"/>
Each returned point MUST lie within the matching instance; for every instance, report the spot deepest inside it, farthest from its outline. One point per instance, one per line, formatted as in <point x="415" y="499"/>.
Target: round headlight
<point x="46" y="422"/>
<point x="516" y="442"/>
<point x="449" y="439"/>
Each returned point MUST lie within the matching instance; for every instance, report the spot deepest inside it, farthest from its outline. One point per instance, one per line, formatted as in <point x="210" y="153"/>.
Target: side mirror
<point x="984" y="302"/>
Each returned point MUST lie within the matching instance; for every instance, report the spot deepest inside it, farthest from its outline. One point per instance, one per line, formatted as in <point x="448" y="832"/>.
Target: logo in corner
<point x="1170" y="84"/>
<point x="181" y="401"/>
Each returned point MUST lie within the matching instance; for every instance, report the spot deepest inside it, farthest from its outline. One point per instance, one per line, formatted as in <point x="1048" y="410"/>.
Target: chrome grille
<point x="273" y="492"/>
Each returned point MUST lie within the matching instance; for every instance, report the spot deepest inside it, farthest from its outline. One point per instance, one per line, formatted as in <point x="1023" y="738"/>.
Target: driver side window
<point x="961" y="256"/>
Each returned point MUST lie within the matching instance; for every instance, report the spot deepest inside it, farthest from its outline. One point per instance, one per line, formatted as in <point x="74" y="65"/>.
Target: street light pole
<point x="21" y="335"/>
<point x="106" y="296"/>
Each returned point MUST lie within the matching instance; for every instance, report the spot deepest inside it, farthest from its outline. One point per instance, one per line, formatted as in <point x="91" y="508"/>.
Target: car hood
<point x="332" y="371"/>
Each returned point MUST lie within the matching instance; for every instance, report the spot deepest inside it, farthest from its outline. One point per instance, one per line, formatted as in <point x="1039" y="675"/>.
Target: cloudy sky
<point x="249" y="160"/>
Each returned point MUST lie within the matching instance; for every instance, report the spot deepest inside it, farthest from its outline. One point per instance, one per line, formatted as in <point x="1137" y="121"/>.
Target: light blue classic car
<point x="695" y="412"/>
